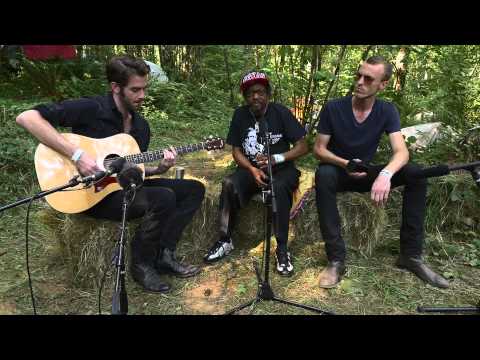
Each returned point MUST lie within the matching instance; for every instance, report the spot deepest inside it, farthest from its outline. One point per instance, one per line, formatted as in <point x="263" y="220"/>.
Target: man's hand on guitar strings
<point x="86" y="165"/>
<point x="169" y="159"/>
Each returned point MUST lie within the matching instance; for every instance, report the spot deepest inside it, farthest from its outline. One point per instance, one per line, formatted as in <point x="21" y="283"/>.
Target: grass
<point x="372" y="285"/>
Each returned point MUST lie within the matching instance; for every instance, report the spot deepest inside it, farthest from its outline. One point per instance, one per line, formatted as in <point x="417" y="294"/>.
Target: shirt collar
<point x="113" y="106"/>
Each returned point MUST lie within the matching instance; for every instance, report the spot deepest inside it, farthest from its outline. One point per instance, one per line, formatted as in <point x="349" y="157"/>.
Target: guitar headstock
<point x="214" y="143"/>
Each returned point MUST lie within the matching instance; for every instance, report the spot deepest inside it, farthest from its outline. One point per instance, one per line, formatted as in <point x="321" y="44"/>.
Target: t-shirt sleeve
<point x="68" y="113"/>
<point x="325" y="123"/>
<point x="233" y="137"/>
<point x="294" y="131"/>
<point x="392" y="119"/>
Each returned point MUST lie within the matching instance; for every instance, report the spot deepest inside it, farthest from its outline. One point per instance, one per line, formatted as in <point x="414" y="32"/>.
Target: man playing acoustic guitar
<point x="166" y="205"/>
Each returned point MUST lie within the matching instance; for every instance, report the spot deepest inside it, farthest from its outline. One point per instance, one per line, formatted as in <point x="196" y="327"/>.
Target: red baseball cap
<point x="253" y="77"/>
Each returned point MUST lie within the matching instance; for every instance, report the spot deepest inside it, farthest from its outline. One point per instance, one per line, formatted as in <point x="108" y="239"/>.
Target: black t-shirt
<point x="350" y="139"/>
<point x="245" y="132"/>
<point x="96" y="117"/>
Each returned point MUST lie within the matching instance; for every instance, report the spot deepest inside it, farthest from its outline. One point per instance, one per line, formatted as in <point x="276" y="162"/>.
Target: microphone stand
<point x="474" y="169"/>
<point x="265" y="291"/>
<point x="73" y="182"/>
<point x="119" y="298"/>
<point x="129" y="179"/>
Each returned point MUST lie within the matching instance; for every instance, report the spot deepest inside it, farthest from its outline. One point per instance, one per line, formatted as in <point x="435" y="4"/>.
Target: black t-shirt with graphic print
<point x="245" y="132"/>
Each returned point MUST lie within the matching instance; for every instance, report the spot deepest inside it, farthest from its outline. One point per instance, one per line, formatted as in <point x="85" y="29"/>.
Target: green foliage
<point x="56" y="79"/>
<point x="16" y="151"/>
<point x="183" y="113"/>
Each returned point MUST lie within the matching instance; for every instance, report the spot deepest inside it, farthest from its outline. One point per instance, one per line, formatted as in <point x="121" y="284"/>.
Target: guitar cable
<point x="27" y="258"/>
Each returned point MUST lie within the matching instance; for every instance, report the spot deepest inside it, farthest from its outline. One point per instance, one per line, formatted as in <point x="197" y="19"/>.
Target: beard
<point x="258" y="109"/>
<point x="127" y="103"/>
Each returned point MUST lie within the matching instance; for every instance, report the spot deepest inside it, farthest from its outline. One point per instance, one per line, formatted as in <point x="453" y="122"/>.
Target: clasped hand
<point x="262" y="161"/>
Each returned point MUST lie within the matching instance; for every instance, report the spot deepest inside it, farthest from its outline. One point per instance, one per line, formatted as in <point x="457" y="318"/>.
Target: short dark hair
<point x="120" y="68"/>
<point x="387" y="67"/>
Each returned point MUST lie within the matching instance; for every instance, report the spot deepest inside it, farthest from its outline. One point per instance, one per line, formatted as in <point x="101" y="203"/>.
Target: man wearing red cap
<point x="246" y="135"/>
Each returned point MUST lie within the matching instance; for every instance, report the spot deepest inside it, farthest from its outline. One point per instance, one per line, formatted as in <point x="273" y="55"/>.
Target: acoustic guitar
<point x="54" y="169"/>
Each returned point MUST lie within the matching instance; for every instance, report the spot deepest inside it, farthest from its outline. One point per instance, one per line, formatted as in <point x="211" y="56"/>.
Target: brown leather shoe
<point x="418" y="267"/>
<point x="331" y="275"/>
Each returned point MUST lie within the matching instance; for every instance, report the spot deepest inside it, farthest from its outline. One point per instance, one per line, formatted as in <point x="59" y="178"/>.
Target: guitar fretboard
<point x="151" y="156"/>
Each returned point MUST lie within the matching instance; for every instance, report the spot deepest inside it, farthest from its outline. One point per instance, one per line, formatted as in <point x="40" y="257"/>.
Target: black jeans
<point x="239" y="187"/>
<point x="166" y="205"/>
<point x="330" y="179"/>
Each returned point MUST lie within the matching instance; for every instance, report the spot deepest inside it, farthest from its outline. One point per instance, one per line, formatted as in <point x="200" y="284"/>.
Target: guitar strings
<point x="146" y="155"/>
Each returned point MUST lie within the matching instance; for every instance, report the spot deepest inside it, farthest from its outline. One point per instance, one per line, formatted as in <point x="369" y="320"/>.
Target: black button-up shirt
<point x="95" y="117"/>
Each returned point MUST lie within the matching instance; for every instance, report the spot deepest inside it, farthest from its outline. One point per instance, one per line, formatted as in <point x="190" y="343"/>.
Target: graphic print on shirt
<point x="251" y="147"/>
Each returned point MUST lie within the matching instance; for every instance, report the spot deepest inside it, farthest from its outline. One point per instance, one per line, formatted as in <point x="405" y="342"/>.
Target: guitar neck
<point x="151" y="156"/>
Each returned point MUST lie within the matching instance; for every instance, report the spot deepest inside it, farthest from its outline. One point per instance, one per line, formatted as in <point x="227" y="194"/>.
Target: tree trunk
<point x="317" y="54"/>
<point x="229" y="77"/>
<point x="401" y="68"/>
<point x="332" y="82"/>
<point x="278" y="88"/>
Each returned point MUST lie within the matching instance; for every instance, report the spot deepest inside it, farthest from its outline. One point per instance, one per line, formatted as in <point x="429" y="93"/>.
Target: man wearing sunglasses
<point x="349" y="131"/>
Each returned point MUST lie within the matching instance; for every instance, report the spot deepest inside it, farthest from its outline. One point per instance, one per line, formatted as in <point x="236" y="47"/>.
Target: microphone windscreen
<point x="130" y="174"/>
<point x="117" y="165"/>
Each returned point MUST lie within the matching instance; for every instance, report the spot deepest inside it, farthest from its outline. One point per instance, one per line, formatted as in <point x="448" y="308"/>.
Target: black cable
<point x="27" y="260"/>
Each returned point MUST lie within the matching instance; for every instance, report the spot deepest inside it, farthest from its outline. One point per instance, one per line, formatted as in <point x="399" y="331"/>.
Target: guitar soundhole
<point x="99" y="186"/>
<point x="109" y="159"/>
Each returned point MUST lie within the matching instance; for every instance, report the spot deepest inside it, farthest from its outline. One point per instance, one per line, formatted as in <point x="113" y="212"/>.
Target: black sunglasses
<point x="366" y="78"/>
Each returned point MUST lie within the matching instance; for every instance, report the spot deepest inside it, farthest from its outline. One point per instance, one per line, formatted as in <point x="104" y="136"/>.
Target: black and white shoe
<point x="218" y="251"/>
<point x="284" y="263"/>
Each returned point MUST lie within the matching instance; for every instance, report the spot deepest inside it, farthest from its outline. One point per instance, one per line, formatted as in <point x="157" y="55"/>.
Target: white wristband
<point x="386" y="173"/>
<point x="279" y="158"/>
<point x="77" y="154"/>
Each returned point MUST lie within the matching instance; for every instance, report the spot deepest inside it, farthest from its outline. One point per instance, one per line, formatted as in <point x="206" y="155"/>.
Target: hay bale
<point x="85" y="244"/>
<point x="363" y="224"/>
<point x="203" y="231"/>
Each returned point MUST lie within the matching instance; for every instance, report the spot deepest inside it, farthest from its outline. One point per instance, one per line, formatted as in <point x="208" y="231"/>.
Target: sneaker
<point x="284" y="263"/>
<point x="219" y="250"/>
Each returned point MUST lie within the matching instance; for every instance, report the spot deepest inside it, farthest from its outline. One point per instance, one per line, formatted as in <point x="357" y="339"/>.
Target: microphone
<point x="115" y="167"/>
<point x="441" y="170"/>
<point x="433" y="171"/>
<point x="263" y="126"/>
<point x="476" y="175"/>
<point x="130" y="176"/>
